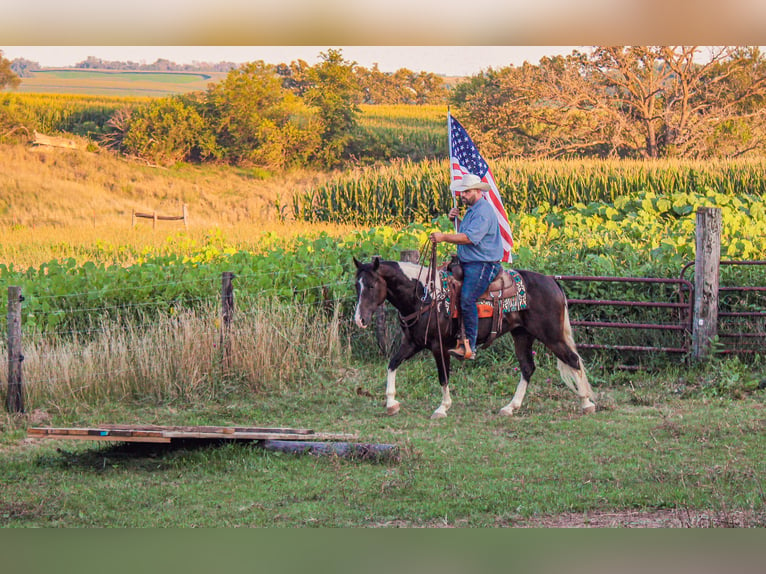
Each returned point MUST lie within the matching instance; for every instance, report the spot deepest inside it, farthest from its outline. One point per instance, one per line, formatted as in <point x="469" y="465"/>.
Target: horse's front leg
<point x="442" y="364"/>
<point x="406" y="350"/>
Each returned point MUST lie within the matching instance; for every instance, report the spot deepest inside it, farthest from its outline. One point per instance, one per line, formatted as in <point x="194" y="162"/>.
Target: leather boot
<point x="462" y="350"/>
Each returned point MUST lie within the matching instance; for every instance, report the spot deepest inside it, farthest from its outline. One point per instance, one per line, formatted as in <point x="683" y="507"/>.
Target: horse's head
<point x="370" y="291"/>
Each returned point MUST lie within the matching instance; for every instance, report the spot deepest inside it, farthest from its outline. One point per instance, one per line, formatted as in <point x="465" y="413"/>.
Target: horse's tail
<point x="575" y="379"/>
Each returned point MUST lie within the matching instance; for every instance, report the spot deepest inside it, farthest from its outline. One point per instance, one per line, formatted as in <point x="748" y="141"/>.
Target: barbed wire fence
<point x="103" y="339"/>
<point x="233" y="333"/>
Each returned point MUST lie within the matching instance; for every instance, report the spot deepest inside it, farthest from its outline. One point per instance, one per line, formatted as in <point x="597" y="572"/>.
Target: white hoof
<point x="506" y="412"/>
<point x="392" y="409"/>
<point x="438" y="415"/>
<point x="589" y="409"/>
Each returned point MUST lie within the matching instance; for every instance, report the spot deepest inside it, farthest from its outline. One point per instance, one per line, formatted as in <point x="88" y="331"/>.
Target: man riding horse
<point x="479" y="249"/>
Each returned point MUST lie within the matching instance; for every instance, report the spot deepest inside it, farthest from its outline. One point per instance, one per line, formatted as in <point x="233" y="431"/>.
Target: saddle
<point x="506" y="293"/>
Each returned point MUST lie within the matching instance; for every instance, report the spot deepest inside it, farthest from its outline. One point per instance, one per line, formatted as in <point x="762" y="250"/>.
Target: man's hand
<point x="453" y="213"/>
<point x="437" y="237"/>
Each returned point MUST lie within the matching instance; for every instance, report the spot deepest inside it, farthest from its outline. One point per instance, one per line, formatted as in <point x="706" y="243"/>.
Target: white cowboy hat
<point x="470" y="181"/>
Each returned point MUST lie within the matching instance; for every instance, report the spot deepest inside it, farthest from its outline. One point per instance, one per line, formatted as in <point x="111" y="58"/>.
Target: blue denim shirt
<point x="481" y="226"/>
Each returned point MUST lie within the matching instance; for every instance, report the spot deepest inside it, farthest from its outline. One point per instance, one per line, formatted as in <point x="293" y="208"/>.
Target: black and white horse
<point x="426" y="325"/>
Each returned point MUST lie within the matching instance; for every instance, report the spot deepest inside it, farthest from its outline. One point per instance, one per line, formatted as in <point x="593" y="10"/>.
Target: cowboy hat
<point x="470" y="181"/>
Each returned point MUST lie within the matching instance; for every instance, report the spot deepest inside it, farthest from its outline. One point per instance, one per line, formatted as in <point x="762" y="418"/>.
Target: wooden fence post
<point x="186" y="217"/>
<point x="410" y="255"/>
<point x="15" y="399"/>
<point x="706" y="281"/>
<point x="227" y="312"/>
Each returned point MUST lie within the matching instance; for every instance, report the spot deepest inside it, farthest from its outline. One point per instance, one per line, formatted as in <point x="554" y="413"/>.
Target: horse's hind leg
<point x="571" y="368"/>
<point x="523" y="344"/>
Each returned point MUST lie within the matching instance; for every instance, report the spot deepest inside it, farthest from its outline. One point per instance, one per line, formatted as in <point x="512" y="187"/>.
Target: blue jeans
<point x="477" y="276"/>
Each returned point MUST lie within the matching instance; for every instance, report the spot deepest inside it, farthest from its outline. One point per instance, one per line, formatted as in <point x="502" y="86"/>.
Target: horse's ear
<point x="357" y="263"/>
<point x="375" y="263"/>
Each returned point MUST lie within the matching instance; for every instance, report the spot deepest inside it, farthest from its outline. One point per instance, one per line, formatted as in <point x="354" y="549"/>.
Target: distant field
<point x="117" y="82"/>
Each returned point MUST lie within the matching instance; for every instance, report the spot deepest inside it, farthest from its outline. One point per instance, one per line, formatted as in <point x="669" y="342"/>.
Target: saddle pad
<point x="519" y="301"/>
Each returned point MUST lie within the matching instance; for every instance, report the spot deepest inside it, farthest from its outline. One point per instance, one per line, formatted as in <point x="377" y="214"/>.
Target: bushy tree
<point x="8" y="78"/>
<point x="23" y="68"/>
<point x="335" y="95"/>
<point x="168" y="130"/>
<point x="401" y="87"/>
<point x="256" y="121"/>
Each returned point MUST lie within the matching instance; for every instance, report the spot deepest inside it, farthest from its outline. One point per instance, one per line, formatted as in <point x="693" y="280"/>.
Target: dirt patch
<point x="670" y="518"/>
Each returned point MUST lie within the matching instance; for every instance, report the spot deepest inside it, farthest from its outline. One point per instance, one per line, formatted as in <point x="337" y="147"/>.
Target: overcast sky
<point x="447" y="60"/>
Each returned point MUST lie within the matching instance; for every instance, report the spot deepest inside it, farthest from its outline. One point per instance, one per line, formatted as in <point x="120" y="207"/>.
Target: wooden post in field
<point x="410" y="255"/>
<point x="227" y="312"/>
<point x="154" y="220"/>
<point x="706" y="280"/>
<point x="186" y="217"/>
<point x="132" y="218"/>
<point x="15" y="399"/>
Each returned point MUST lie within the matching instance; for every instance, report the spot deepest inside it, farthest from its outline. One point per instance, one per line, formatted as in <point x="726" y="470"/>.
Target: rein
<point x="431" y="286"/>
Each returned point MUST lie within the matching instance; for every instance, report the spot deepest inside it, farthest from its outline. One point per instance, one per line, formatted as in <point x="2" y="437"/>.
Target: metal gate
<point x="676" y="313"/>
<point x="741" y="314"/>
<point x="741" y="322"/>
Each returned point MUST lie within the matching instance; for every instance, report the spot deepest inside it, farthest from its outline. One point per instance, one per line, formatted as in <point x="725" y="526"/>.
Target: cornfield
<point x="52" y="113"/>
<point x="407" y="191"/>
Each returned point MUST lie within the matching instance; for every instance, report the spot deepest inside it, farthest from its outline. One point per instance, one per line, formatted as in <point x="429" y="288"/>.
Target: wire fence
<point x="163" y="343"/>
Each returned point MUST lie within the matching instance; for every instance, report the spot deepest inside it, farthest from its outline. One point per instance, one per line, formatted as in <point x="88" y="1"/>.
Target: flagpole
<point x="449" y="162"/>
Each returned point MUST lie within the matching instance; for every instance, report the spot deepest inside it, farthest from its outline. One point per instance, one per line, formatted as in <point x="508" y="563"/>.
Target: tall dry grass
<point x="66" y="203"/>
<point x="177" y="358"/>
<point x="59" y="187"/>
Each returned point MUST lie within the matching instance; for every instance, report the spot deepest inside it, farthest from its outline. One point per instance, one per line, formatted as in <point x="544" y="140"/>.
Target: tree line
<point x="610" y="101"/>
<point x="622" y="101"/>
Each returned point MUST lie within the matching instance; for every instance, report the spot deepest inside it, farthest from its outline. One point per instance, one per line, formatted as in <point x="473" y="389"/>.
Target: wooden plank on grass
<point x="147" y="433"/>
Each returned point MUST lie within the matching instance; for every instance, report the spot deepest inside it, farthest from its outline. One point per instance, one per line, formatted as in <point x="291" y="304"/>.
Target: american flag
<point x="465" y="158"/>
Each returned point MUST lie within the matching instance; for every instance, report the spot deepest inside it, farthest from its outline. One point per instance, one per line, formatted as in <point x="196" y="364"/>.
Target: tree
<point x="256" y="121"/>
<point x="678" y="101"/>
<point x="641" y="101"/>
<point x="295" y="76"/>
<point x="168" y="130"/>
<point x="8" y="78"/>
<point x="548" y="110"/>
<point x="335" y="94"/>
<point x="23" y="68"/>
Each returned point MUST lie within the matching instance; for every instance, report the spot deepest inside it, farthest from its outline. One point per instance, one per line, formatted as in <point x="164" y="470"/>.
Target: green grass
<point x="117" y="83"/>
<point x="649" y="447"/>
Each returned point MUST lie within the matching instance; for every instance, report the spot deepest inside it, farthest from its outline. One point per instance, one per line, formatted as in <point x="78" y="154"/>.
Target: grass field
<point x="650" y="456"/>
<point x="117" y="83"/>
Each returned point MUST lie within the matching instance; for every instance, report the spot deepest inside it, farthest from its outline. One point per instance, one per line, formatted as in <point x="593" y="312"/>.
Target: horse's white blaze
<point x="357" y="311"/>
<point x="441" y="412"/>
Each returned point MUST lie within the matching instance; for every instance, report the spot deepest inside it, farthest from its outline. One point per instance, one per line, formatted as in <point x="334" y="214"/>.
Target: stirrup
<point x="462" y="351"/>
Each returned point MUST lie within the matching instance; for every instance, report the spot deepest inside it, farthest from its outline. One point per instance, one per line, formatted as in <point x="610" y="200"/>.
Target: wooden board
<point x="164" y="434"/>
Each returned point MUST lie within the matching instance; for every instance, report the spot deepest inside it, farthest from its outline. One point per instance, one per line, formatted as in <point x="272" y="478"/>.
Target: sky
<point x="446" y="60"/>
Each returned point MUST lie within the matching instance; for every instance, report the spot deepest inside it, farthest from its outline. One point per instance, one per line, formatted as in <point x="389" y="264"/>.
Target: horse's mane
<point x="418" y="273"/>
